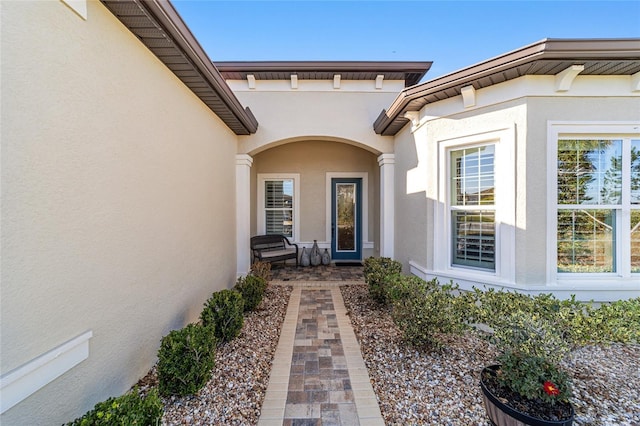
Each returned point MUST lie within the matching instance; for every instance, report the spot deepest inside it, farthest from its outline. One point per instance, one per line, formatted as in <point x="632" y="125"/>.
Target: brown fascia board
<point x="568" y="49"/>
<point x="173" y="24"/>
<point x="412" y="67"/>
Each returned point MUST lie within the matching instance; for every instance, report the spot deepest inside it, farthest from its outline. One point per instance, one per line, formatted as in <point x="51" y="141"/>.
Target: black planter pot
<point x="501" y="414"/>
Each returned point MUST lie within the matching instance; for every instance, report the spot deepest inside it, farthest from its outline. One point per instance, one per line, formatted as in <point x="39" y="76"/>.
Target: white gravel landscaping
<point x="413" y="387"/>
<point x="441" y="387"/>
<point x="239" y="381"/>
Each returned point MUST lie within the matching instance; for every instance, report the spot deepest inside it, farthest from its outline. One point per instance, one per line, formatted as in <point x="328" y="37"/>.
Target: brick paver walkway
<point x="318" y="375"/>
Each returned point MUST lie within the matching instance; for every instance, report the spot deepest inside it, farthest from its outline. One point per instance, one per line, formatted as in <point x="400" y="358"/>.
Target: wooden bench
<point x="273" y="248"/>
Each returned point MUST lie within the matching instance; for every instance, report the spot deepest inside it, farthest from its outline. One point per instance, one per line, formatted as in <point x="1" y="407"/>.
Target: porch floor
<point x="318" y="375"/>
<point x="330" y="274"/>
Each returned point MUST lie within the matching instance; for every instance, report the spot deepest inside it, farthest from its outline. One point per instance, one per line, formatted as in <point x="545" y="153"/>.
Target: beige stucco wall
<point x="417" y="164"/>
<point x="113" y="179"/>
<point x="312" y="160"/>
<point x="417" y="174"/>
<point x="539" y="112"/>
<point x="413" y="230"/>
<point x="326" y="115"/>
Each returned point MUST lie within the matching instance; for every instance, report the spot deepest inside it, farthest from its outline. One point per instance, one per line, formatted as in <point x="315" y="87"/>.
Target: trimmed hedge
<point x="125" y="410"/>
<point x="375" y="271"/>
<point x="252" y="290"/>
<point x="423" y="308"/>
<point x="186" y="359"/>
<point x="223" y="310"/>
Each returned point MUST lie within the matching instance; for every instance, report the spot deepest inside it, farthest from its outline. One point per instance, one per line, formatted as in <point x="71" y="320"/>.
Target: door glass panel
<point x="346" y="216"/>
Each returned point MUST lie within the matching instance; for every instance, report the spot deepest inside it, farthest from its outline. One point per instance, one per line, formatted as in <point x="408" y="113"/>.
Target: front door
<point x="346" y="219"/>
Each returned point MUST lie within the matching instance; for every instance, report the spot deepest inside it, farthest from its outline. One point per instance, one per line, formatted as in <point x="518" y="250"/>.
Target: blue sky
<point x="452" y="34"/>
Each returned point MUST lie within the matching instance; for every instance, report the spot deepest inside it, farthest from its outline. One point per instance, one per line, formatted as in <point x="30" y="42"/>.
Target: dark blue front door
<point x="346" y="219"/>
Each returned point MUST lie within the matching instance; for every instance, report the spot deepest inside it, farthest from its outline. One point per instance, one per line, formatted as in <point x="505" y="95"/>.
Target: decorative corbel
<point x="414" y="116"/>
<point x="336" y="81"/>
<point x="468" y="96"/>
<point x="564" y="79"/>
<point x="251" y="80"/>
<point x="635" y="82"/>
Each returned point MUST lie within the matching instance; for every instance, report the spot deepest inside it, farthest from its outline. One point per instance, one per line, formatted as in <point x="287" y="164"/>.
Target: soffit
<point x="159" y="27"/>
<point x="548" y="57"/>
<point x="410" y="72"/>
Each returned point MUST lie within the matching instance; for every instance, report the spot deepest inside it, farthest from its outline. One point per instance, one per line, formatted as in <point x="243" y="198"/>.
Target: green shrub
<point x="612" y="322"/>
<point x="185" y="360"/>
<point x="125" y="410"/>
<point x="423" y="308"/>
<point x="531" y="349"/>
<point x="223" y="310"/>
<point x="252" y="289"/>
<point x="262" y="270"/>
<point x="376" y="269"/>
<point x="577" y="322"/>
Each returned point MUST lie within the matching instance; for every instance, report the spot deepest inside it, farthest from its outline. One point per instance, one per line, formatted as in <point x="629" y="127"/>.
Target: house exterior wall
<point x="312" y="130"/>
<point x="312" y="160"/>
<point x="113" y="175"/>
<point x="523" y="121"/>
<point x="317" y="113"/>
<point x="413" y="229"/>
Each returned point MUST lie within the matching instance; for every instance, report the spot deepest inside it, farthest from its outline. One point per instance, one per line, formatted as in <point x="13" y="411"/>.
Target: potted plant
<point x="528" y="387"/>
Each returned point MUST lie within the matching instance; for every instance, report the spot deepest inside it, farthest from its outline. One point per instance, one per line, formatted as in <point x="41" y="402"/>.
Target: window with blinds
<point x="472" y="207"/>
<point x="278" y="206"/>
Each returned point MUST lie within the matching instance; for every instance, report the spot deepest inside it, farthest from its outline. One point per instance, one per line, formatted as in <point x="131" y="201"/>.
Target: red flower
<point x="551" y="388"/>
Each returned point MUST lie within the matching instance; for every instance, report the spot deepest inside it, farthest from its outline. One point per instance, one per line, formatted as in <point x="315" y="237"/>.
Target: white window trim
<point x="582" y="129"/>
<point x="366" y="244"/>
<point x="505" y="209"/>
<point x="262" y="177"/>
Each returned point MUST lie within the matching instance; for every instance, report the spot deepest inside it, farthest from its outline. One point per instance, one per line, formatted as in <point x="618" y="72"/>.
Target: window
<point x="475" y="214"/>
<point x="598" y="204"/>
<point x="278" y="211"/>
<point x="278" y="204"/>
<point x="472" y="207"/>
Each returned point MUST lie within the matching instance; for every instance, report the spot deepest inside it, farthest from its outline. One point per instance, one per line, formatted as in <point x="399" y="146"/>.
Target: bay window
<point x="597" y="208"/>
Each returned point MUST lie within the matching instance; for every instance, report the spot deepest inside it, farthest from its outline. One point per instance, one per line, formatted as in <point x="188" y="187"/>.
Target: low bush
<point x="252" y="289"/>
<point x="421" y="309"/>
<point x="376" y="269"/>
<point x="185" y="360"/>
<point x="531" y="349"/>
<point x="125" y="410"/>
<point x="612" y="322"/>
<point x="224" y="310"/>
<point x="577" y="322"/>
<point x="262" y="270"/>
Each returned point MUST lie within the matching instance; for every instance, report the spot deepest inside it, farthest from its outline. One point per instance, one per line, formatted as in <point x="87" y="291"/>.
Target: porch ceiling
<point x="410" y="72"/>
<point x="159" y="27"/>
<point x="547" y="57"/>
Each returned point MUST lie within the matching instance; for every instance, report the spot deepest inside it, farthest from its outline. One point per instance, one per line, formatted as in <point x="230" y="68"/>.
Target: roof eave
<point x="170" y="22"/>
<point x="545" y="49"/>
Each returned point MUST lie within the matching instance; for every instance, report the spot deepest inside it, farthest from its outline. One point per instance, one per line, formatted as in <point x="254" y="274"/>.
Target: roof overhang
<point x="410" y="72"/>
<point x="546" y="57"/>
<point x="161" y="29"/>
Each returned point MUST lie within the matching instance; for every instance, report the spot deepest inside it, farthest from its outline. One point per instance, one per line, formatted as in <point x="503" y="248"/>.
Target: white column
<point x="243" y="212"/>
<point x="387" y="203"/>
